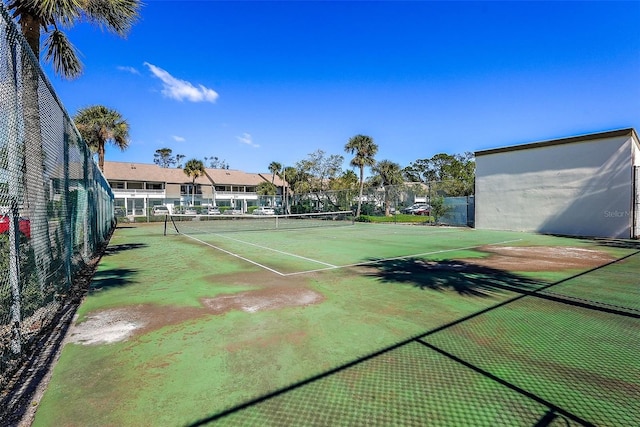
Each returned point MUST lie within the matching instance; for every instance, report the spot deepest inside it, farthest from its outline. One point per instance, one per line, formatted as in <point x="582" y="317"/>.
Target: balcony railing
<point x="137" y="192"/>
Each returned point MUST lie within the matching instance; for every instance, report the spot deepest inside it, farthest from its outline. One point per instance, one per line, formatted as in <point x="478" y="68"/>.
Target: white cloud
<point x="128" y="69"/>
<point x="247" y="139"/>
<point x="178" y="138"/>
<point x="181" y="89"/>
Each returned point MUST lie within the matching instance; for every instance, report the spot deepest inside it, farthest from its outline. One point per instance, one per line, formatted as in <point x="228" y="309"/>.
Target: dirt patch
<point x="109" y="326"/>
<point x="540" y="258"/>
<point x="263" y="299"/>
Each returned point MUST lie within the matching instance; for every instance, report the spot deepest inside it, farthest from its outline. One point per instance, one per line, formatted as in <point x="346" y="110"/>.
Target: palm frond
<point x="65" y="12"/>
<point x="115" y="15"/>
<point x="98" y="125"/>
<point x="62" y="55"/>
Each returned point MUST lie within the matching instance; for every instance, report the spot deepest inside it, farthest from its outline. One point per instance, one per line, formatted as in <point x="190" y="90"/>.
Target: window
<point x="117" y="185"/>
<point x="188" y="189"/>
<point x="135" y="185"/>
<point x="155" y="186"/>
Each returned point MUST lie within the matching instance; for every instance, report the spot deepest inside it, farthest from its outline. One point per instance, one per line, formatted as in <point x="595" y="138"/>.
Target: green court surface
<point x="363" y="324"/>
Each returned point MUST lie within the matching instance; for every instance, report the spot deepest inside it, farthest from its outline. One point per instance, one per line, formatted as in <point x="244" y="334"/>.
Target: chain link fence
<point x="56" y="208"/>
<point x="410" y="198"/>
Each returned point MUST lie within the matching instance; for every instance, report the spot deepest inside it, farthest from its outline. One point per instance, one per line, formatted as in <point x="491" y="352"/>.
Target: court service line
<point x="278" y="251"/>
<point x="235" y="255"/>
<point x="400" y="257"/>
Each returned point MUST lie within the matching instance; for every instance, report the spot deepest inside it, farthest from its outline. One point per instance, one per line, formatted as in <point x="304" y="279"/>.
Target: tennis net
<point x="211" y="224"/>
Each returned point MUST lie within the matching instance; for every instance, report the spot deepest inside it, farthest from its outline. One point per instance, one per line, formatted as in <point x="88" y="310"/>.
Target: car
<point x="213" y="210"/>
<point x="190" y="211"/>
<point x="233" y="212"/>
<point x="411" y="209"/>
<point x="425" y="210"/>
<point x="24" y="226"/>
<point x="263" y="210"/>
<point x="160" y="210"/>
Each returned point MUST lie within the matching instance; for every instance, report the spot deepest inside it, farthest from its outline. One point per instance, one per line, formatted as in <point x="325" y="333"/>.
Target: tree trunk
<point x="101" y="156"/>
<point x="361" y="188"/>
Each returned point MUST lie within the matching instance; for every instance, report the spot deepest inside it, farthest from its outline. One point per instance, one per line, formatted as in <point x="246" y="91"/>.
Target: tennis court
<point x="352" y="324"/>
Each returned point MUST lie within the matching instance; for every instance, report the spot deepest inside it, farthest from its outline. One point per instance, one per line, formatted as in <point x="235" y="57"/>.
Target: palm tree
<point x="387" y="174"/>
<point x="48" y="16"/>
<point x="274" y="168"/>
<point x="194" y="168"/>
<point x="364" y="149"/>
<point x="98" y="125"/>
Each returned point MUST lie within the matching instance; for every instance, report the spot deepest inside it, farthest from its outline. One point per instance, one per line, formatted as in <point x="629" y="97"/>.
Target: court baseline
<point x="330" y="266"/>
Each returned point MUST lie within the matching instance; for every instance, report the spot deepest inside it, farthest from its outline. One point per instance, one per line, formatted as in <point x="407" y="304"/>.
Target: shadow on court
<point x="115" y="249"/>
<point x="112" y="278"/>
<point x="462" y="277"/>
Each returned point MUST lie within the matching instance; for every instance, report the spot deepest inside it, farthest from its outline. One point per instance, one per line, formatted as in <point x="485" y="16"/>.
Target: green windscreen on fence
<point x="56" y="208"/>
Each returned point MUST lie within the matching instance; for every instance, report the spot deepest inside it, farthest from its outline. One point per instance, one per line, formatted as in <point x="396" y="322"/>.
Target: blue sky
<point x="255" y="82"/>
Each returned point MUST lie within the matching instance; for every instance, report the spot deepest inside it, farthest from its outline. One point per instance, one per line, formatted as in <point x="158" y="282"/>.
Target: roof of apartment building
<point x="123" y="171"/>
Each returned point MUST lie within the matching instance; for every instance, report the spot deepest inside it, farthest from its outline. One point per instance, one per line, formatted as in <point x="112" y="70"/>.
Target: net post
<point x="172" y="222"/>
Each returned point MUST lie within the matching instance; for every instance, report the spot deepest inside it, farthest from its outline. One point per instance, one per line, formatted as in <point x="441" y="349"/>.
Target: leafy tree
<point x="216" y="163"/>
<point x="344" y="189"/>
<point x="164" y="158"/>
<point x="347" y="181"/>
<point x="452" y="175"/>
<point x="388" y="175"/>
<point x="438" y="208"/>
<point x="266" y="189"/>
<point x="316" y="172"/>
<point x="364" y="149"/>
<point x="194" y="168"/>
<point x="99" y="125"/>
<point x="318" y="169"/>
<point x="179" y="158"/>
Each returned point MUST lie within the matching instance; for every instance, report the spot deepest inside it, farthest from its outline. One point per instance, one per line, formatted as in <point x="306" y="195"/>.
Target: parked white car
<point x="233" y="212"/>
<point x="160" y="210"/>
<point x="263" y="210"/>
<point x="213" y="210"/>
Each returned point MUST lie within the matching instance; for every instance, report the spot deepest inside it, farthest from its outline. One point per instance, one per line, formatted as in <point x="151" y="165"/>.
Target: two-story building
<point x="137" y="187"/>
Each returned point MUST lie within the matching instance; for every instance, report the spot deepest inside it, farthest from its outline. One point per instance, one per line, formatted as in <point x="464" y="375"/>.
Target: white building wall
<point x="580" y="188"/>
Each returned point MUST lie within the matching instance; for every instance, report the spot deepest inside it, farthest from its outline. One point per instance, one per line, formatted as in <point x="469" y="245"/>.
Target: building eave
<point x="573" y="139"/>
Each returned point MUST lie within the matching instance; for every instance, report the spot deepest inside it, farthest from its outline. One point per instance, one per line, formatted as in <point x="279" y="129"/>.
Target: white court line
<point x="278" y="251"/>
<point x="400" y="257"/>
<point x="235" y="255"/>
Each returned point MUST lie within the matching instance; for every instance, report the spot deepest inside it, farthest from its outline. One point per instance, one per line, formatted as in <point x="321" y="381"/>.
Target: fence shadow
<point x="465" y="278"/>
